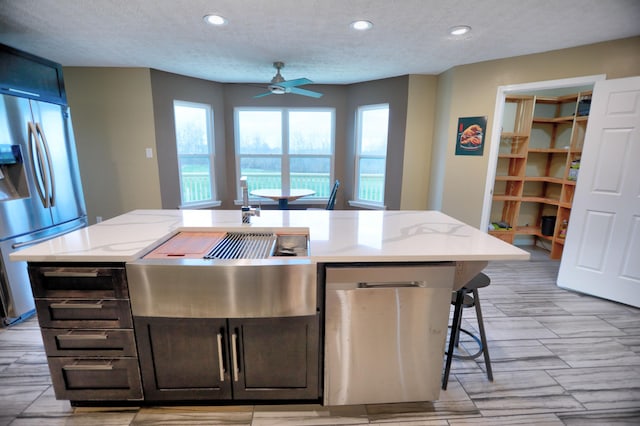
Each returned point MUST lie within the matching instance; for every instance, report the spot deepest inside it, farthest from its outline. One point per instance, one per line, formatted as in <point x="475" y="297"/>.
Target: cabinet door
<point x="183" y="358"/>
<point x="275" y="358"/>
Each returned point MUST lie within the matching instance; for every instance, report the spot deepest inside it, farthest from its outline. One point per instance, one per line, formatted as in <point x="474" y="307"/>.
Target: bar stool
<point x="467" y="297"/>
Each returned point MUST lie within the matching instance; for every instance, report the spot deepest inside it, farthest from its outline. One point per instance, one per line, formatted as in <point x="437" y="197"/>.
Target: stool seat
<point x="467" y="297"/>
<point x="479" y="281"/>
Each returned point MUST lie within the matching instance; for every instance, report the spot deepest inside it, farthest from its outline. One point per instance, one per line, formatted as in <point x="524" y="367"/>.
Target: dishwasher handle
<point x="396" y="284"/>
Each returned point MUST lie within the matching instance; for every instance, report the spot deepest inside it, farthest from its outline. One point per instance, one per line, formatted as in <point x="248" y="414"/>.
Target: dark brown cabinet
<point x="87" y="329"/>
<point x="241" y="358"/>
<point x="27" y="75"/>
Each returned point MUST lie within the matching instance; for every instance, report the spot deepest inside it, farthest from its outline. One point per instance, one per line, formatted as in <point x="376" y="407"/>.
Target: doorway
<point x="502" y="113"/>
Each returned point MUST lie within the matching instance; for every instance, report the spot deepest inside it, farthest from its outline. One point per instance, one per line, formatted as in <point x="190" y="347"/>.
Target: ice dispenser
<point x="13" y="183"/>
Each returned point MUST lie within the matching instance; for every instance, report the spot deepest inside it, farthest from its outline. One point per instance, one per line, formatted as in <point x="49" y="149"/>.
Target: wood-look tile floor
<point x="558" y="357"/>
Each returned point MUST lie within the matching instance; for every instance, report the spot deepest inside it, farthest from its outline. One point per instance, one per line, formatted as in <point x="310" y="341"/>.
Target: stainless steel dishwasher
<point x="385" y="331"/>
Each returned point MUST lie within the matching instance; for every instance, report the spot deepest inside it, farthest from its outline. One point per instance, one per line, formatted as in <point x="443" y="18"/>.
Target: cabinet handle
<point x="85" y="367"/>
<point x="220" y="363"/>
<point x="82" y="337"/>
<point x="399" y="284"/>
<point x="234" y="355"/>
<point x="71" y="274"/>
<point x="75" y="306"/>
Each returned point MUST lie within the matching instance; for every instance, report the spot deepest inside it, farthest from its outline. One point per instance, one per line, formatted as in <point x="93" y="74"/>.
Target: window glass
<point x="375" y="125"/>
<point x="310" y="132"/>
<point x="260" y="132"/>
<point x="286" y="148"/>
<point x="261" y="172"/>
<point x="194" y="130"/>
<point x="312" y="173"/>
<point x="371" y="155"/>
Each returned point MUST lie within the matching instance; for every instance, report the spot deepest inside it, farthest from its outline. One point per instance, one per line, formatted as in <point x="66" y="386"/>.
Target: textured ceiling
<point x="312" y="37"/>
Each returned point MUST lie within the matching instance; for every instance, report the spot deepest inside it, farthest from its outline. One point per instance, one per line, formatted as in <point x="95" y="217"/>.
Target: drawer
<point x="73" y="342"/>
<point x="83" y="313"/>
<point x="109" y="282"/>
<point x="86" y="379"/>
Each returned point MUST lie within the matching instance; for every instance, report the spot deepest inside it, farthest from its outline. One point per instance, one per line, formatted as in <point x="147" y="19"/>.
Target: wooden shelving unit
<point x="542" y="137"/>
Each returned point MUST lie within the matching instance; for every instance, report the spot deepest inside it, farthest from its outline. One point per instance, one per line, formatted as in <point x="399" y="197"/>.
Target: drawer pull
<point x="82" y="337"/>
<point x="85" y="367"/>
<point x="71" y="274"/>
<point x="220" y="358"/>
<point x="234" y="356"/>
<point x="75" y="306"/>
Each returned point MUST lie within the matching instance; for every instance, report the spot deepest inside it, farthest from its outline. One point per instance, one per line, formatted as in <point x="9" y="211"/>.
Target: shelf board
<point x="541" y="200"/>
<point x="509" y="155"/>
<point x="512" y="135"/>
<point x="582" y="118"/>
<point x="527" y="230"/>
<point x="509" y="178"/>
<point x="554" y="120"/>
<point x="549" y="150"/>
<point x="501" y="231"/>
<point x="502" y="197"/>
<point x="547" y="179"/>
<point x="557" y="99"/>
<point x="531" y="230"/>
<point x="569" y="182"/>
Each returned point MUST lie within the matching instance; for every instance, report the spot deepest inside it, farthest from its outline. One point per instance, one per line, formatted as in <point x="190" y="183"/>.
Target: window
<point x="286" y="148"/>
<point x="194" y="130"/>
<point x="371" y="153"/>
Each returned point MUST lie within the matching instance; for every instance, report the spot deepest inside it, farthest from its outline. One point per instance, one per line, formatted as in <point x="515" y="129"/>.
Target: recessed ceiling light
<point x="215" y="19"/>
<point x="459" y="30"/>
<point x="361" y="25"/>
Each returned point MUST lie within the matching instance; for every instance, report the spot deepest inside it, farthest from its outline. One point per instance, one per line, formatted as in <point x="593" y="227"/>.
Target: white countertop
<point x="335" y="235"/>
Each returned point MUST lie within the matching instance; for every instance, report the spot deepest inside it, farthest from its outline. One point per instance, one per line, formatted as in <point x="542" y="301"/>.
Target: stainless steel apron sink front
<point x="283" y="283"/>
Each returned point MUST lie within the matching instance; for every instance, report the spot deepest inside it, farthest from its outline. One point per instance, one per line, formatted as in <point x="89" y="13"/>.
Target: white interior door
<point x="602" y="251"/>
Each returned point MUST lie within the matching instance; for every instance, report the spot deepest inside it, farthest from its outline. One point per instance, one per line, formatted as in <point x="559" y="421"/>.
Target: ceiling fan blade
<point x="305" y="92"/>
<point x="262" y="95"/>
<point x="295" y="82"/>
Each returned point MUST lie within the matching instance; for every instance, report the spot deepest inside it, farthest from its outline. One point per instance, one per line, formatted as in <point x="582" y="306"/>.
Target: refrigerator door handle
<point x="47" y="238"/>
<point x="52" y="193"/>
<point x="41" y="178"/>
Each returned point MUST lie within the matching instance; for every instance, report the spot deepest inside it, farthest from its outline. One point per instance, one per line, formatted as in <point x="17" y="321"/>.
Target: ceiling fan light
<point x="361" y="25"/>
<point x="459" y="30"/>
<point x="277" y="90"/>
<point x="215" y="19"/>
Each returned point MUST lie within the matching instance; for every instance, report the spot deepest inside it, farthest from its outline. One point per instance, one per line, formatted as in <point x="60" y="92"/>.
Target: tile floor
<point x="558" y="358"/>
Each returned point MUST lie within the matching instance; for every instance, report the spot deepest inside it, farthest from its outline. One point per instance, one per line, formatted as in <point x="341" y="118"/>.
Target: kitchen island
<point x="110" y="335"/>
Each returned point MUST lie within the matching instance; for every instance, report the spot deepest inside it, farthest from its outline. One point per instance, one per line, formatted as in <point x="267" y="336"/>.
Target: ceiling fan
<point x="280" y="86"/>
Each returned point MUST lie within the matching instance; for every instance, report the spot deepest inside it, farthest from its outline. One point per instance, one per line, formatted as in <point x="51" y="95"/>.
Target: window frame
<point x="358" y="156"/>
<point x="285" y="155"/>
<point x="210" y="155"/>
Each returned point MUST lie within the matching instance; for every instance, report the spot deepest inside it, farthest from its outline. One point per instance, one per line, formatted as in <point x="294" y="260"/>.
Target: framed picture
<point x="470" y="135"/>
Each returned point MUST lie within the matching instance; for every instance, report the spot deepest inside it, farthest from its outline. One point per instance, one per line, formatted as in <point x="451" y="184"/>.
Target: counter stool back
<point x="332" y="197"/>
<point x="467" y="297"/>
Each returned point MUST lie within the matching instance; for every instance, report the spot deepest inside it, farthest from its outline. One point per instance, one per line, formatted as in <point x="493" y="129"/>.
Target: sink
<point x="234" y="245"/>
<point x="291" y="245"/>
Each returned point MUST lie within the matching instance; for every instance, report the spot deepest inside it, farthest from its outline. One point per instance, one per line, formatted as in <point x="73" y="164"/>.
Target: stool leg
<point x="457" y="313"/>
<point x="456" y="326"/>
<point x="483" y="337"/>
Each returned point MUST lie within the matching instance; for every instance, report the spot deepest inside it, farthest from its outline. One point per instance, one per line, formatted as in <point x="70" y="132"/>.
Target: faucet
<point x="247" y="210"/>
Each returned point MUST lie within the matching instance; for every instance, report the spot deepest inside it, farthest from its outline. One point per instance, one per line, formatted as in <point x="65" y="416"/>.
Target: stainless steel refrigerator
<point x="40" y="190"/>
